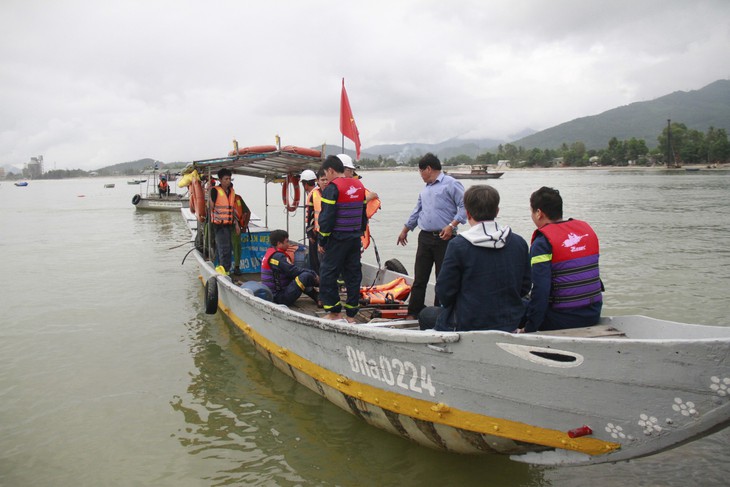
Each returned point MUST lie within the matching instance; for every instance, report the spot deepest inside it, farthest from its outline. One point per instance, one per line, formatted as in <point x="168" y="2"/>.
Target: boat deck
<point x="367" y="315"/>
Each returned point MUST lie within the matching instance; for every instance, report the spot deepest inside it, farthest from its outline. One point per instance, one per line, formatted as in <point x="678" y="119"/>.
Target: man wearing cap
<point x="309" y="182"/>
<point x="439" y="210"/>
<point x="341" y="224"/>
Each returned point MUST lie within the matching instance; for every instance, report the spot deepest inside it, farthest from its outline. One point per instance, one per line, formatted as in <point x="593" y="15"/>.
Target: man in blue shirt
<point x="439" y="211"/>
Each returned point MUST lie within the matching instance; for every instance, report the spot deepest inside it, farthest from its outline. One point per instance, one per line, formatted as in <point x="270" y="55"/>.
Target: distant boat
<point x="21" y="183"/>
<point x="109" y="185"/>
<point x="477" y="172"/>
<point x="137" y="181"/>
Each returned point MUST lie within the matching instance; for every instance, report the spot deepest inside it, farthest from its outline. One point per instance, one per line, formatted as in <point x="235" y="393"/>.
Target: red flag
<point x="347" y="121"/>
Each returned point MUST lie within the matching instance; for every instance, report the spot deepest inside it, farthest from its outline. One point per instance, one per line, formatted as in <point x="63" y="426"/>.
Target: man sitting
<point x="485" y="274"/>
<point x="286" y="281"/>
<point x="566" y="282"/>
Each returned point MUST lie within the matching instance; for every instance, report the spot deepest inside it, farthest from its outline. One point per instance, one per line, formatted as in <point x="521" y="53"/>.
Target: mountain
<point x="403" y="152"/>
<point x="697" y="109"/>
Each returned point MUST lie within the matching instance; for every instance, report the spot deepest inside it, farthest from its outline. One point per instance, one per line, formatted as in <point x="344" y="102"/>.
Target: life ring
<point x="135" y="199"/>
<point x="254" y="149"/>
<point x="211" y="296"/>
<point x="199" y="204"/>
<point x="395" y="266"/>
<point x="292" y="181"/>
<point x="303" y="151"/>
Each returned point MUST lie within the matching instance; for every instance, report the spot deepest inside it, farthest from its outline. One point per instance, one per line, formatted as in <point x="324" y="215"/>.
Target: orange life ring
<point x="254" y="149"/>
<point x="304" y="151"/>
<point x="293" y="181"/>
<point x="199" y="203"/>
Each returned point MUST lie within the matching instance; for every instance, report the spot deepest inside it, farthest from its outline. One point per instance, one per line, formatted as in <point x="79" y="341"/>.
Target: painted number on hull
<point x="392" y="371"/>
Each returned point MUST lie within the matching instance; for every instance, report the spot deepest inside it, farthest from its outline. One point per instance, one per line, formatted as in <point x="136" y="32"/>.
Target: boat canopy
<point x="271" y="166"/>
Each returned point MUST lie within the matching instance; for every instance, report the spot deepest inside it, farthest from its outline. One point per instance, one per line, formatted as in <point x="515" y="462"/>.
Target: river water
<point x="111" y="374"/>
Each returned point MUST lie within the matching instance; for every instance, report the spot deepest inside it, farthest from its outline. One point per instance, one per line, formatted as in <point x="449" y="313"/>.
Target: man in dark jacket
<point x="485" y="275"/>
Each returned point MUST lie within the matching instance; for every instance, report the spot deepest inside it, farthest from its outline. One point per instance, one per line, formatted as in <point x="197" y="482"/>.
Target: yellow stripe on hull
<point x="438" y="413"/>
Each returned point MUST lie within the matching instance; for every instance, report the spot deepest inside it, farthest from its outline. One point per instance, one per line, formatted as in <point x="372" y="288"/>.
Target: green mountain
<point x="698" y="109"/>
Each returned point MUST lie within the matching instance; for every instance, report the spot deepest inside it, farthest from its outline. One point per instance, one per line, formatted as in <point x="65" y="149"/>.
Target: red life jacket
<point x="576" y="281"/>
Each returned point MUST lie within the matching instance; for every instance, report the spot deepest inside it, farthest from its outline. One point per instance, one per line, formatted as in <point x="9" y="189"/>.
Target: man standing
<point x="223" y="201"/>
<point x="341" y="223"/>
<point x="566" y="283"/>
<point x="372" y="202"/>
<point x="485" y="274"/>
<point x="439" y="210"/>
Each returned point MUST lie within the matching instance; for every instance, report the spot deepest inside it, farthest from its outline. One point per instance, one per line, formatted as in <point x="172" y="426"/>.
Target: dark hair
<point x="429" y="160"/>
<point x="482" y="202"/>
<point x="320" y="173"/>
<point x="333" y="162"/>
<point x="277" y="236"/>
<point x="547" y="200"/>
<point x="224" y="172"/>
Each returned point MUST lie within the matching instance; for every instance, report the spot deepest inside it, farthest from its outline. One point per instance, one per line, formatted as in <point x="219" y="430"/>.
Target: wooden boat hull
<point x="489" y="391"/>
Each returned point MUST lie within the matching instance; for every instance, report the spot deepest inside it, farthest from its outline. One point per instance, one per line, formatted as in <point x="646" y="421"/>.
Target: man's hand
<point x="403" y="237"/>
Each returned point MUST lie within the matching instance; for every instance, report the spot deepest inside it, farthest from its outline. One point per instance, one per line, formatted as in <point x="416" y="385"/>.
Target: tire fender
<point x="135" y="199"/>
<point x="395" y="266"/>
<point x="211" y="296"/>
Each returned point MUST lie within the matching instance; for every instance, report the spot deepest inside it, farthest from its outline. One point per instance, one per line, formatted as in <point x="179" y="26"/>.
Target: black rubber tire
<point x="135" y="199"/>
<point x="395" y="266"/>
<point x="211" y="296"/>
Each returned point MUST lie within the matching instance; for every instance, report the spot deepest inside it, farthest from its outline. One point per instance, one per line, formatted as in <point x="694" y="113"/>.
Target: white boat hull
<point x="488" y="391"/>
<point x="155" y="203"/>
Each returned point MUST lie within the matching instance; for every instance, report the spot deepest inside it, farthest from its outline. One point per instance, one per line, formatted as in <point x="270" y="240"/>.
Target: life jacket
<point x="349" y="205"/>
<point x="371" y="208"/>
<point x="223" y="207"/>
<point x="314" y="202"/>
<point x="273" y="279"/>
<point x="394" y="292"/>
<point x="243" y="214"/>
<point x="576" y="281"/>
<point x="162" y="185"/>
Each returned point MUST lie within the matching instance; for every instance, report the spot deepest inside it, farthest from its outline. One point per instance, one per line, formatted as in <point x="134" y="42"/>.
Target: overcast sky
<point x="93" y="83"/>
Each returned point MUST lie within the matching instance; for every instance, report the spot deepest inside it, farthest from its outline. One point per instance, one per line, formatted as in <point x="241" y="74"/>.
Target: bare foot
<point x="333" y="316"/>
<point x="350" y="320"/>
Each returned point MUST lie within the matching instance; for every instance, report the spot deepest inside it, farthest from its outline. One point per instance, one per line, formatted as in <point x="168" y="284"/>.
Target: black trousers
<point x="341" y="257"/>
<point x="430" y="252"/>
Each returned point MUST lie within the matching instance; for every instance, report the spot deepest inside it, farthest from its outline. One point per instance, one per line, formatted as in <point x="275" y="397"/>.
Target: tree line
<point x="688" y="146"/>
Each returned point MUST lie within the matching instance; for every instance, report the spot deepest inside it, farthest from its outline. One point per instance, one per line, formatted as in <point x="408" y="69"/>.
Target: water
<point x="110" y="374"/>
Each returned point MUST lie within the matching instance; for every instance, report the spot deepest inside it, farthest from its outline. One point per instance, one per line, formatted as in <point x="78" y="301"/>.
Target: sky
<point x="89" y="83"/>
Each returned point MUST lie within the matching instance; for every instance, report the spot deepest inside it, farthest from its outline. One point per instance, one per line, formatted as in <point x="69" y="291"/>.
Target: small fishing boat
<point x="476" y="172"/>
<point x="152" y="200"/>
<point x="109" y="185"/>
<point x="21" y="183"/>
<point x="629" y="387"/>
<point x="136" y="181"/>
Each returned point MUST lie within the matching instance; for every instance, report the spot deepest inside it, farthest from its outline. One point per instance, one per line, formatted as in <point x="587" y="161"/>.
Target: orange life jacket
<point x="243" y="214"/>
<point x="371" y="208"/>
<point x="223" y="207"/>
<point x="396" y="291"/>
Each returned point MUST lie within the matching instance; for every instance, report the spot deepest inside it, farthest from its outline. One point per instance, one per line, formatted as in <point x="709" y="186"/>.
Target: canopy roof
<point x="267" y="165"/>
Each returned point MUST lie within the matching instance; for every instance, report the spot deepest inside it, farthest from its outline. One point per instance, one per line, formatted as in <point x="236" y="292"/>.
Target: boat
<point x="109" y="185"/>
<point x="152" y="200"/>
<point x="136" y="181"/>
<point x="21" y="183"/>
<point x="476" y="172"/>
<point x="629" y="387"/>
